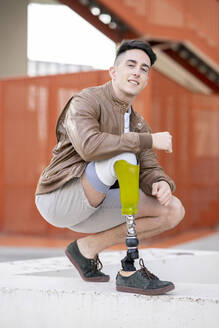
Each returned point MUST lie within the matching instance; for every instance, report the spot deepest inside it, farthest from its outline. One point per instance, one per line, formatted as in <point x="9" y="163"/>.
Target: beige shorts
<point x="68" y="207"/>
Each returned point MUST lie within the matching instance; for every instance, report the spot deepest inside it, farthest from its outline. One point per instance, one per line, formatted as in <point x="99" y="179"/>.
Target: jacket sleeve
<point x="151" y="172"/>
<point x="150" y="169"/>
<point x="83" y="130"/>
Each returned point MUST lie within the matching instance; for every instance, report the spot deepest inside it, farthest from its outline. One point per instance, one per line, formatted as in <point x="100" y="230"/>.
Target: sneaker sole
<point x="159" y="291"/>
<point x="94" y="279"/>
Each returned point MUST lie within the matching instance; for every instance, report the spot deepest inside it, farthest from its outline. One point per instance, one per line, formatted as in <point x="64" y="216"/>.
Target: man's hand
<point x="162" y="141"/>
<point x="162" y="191"/>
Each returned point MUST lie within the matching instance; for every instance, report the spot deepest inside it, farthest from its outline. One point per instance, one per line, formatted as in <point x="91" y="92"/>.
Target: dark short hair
<point x="136" y="44"/>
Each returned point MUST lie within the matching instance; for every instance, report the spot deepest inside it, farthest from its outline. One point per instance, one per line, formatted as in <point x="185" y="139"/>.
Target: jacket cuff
<point x="145" y="140"/>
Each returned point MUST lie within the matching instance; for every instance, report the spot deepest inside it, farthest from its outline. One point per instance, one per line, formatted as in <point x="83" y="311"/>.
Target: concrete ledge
<point x="49" y="293"/>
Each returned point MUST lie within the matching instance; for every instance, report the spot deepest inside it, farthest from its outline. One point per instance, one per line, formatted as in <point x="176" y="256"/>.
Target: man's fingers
<point x="154" y="191"/>
<point x="167" y="203"/>
<point x="162" y="141"/>
<point x="163" y="195"/>
<point x="165" y="200"/>
<point x="170" y="148"/>
<point x="162" y="191"/>
<point x="154" y="188"/>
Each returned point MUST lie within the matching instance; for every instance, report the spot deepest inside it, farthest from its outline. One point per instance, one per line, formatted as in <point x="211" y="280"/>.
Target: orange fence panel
<point x="29" y="108"/>
<point x="193" y="121"/>
<point x="1" y="160"/>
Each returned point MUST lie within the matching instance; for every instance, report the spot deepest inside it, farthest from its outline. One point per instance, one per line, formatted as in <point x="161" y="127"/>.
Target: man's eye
<point x="145" y="70"/>
<point x="130" y="65"/>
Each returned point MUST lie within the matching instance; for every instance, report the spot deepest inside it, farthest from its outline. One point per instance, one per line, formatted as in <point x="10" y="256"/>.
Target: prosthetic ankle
<point x="128" y="177"/>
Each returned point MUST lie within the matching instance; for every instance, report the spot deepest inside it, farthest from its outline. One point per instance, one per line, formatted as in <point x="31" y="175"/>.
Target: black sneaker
<point x="89" y="269"/>
<point x="143" y="282"/>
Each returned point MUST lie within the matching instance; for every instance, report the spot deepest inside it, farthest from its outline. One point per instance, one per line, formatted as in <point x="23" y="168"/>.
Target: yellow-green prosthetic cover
<point x="128" y="177"/>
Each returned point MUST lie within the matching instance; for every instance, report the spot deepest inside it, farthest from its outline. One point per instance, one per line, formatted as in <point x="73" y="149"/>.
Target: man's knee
<point x="105" y="169"/>
<point x="100" y="176"/>
<point x="174" y="214"/>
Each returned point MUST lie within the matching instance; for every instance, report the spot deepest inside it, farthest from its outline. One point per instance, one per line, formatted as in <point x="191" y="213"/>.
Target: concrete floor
<point x="49" y="292"/>
<point x="42" y="289"/>
<point x="7" y="254"/>
<point x="209" y="243"/>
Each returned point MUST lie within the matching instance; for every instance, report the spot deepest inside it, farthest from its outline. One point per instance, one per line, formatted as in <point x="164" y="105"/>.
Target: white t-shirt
<point x="127" y="120"/>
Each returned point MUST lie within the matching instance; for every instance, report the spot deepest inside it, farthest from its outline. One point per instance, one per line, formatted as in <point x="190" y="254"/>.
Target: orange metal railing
<point x="28" y="111"/>
<point x="196" y="21"/>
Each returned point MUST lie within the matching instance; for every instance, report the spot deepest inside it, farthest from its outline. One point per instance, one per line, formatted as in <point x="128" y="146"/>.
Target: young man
<point x="79" y="191"/>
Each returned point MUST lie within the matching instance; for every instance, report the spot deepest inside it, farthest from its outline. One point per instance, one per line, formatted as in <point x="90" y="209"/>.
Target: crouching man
<point x="79" y="189"/>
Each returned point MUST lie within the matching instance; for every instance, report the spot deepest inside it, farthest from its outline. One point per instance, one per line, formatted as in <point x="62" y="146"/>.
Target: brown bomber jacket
<point x="90" y="128"/>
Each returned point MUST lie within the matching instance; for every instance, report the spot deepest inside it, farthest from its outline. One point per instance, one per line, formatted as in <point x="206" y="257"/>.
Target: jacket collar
<point x="122" y="105"/>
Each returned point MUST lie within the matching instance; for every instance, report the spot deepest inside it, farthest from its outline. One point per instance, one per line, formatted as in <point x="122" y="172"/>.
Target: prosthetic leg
<point x="128" y="177"/>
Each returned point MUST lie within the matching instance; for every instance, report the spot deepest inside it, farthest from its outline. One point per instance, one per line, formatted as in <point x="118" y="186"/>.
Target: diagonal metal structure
<point x="180" y="30"/>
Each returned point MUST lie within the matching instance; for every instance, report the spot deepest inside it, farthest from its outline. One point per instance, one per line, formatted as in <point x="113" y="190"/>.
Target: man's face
<point x="130" y="73"/>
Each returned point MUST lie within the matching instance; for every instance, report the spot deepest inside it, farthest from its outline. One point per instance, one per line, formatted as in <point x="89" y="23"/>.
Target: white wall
<point x="13" y="38"/>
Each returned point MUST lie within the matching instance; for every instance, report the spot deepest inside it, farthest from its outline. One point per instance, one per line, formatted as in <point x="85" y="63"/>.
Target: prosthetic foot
<point x="128" y="177"/>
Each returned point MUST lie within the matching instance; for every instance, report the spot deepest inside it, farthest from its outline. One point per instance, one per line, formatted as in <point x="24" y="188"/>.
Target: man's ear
<point x="112" y="72"/>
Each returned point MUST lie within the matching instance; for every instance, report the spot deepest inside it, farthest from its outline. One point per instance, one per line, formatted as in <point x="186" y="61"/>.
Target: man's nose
<point x="136" y="72"/>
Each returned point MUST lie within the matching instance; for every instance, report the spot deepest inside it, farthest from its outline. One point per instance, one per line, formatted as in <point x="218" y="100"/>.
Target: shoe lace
<point x="97" y="264"/>
<point x="146" y="272"/>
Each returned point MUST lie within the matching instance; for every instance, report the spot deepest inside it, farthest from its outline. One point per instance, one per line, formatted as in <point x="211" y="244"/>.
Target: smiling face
<point x="130" y="74"/>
